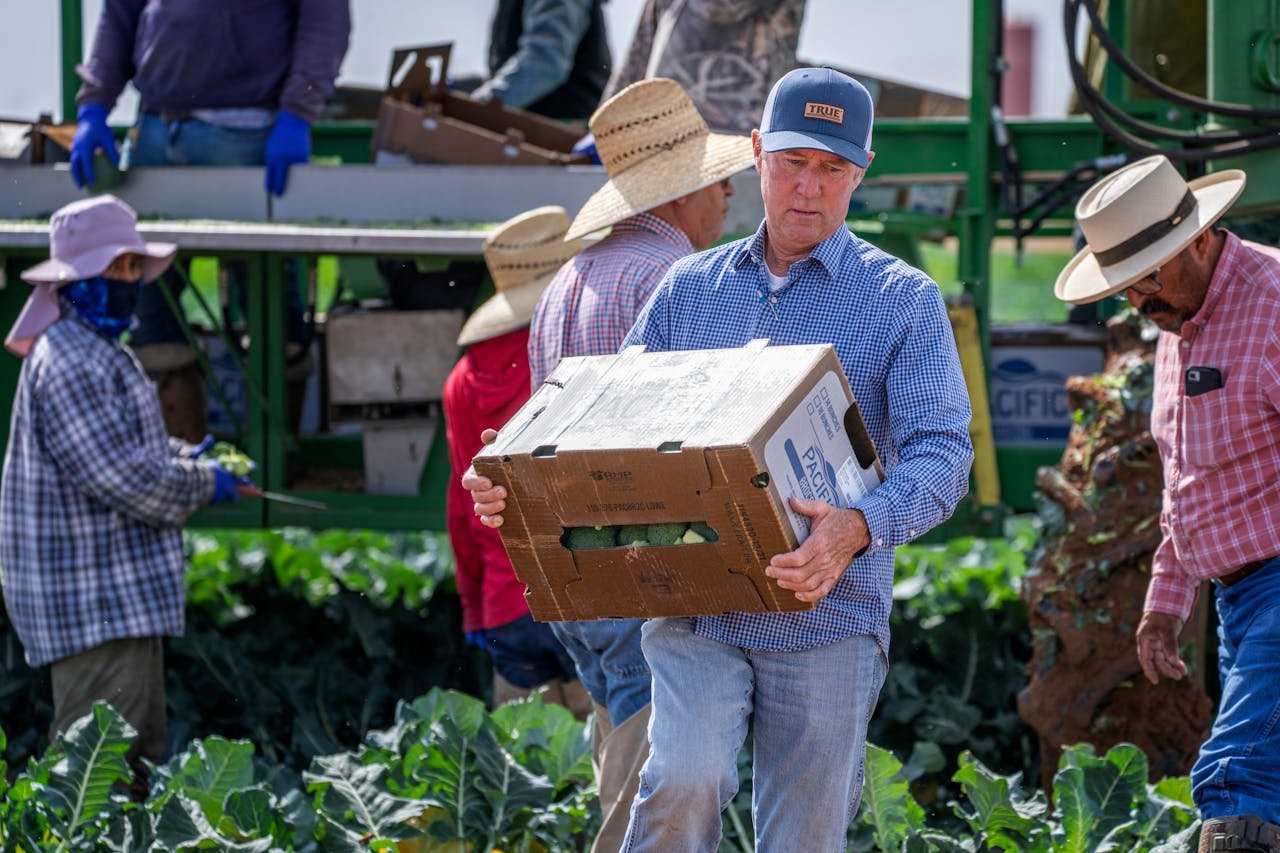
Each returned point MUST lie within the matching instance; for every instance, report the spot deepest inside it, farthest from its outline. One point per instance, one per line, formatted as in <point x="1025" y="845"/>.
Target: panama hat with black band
<point x="1136" y="219"/>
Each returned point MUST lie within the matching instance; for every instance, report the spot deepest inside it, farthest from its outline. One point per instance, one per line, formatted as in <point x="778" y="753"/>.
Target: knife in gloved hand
<point x="284" y="499"/>
<point x="290" y="499"/>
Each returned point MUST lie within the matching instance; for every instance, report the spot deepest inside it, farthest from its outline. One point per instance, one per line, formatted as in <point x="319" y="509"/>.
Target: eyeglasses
<point x="1147" y="286"/>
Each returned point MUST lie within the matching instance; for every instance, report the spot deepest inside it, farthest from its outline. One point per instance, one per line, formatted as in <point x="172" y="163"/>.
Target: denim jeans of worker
<point x="610" y="663"/>
<point x="527" y="653"/>
<point x="191" y="142"/>
<point x="809" y="712"/>
<point x="1238" y="770"/>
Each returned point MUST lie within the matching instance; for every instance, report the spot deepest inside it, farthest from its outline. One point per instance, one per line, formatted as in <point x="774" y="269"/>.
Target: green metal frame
<point x="958" y="150"/>
<point x="71" y="38"/>
<point x="269" y="441"/>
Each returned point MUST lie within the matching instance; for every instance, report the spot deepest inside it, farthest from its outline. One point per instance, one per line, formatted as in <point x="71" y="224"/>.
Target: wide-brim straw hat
<point x="656" y="148"/>
<point x="523" y="255"/>
<point x="1136" y="219"/>
<point x="85" y="237"/>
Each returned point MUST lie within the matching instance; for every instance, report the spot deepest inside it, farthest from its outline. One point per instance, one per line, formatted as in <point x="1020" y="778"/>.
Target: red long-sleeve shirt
<point x="486" y="387"/>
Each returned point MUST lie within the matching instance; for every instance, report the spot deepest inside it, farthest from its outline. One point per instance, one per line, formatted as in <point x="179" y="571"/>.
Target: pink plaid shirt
<point x="1221" y="449"/>
<point x="589" y="306"/>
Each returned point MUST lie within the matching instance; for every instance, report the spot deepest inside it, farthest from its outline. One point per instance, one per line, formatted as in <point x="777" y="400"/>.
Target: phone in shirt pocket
<point x="1204" y="412"/>
<point x="1202" y="380"/>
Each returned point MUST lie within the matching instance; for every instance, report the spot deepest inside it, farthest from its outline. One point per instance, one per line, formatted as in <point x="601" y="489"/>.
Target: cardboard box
<point x="395" y="452"/>
<point x="390" y="356"/>
<point x="420" y="117"/>
<point x="722" y="437"/>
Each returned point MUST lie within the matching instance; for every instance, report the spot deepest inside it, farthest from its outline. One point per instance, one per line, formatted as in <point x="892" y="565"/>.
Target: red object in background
<point x="1019" y="51"/>
<point x="485" y="388"/>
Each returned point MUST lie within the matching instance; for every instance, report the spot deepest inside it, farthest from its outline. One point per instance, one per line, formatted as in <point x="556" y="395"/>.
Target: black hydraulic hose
<point x="1064" y="190"/>
<point x="1175" y="96"/>
<point x="1086" y="90"/>
<point x="1069" y="181"/>
<point x="1231" y="145"/>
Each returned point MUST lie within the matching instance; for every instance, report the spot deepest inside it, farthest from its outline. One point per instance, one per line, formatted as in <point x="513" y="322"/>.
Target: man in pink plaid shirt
<point x="1216" y="419"/>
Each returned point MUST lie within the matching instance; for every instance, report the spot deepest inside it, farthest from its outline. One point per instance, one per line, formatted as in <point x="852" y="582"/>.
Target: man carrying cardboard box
<point x="666" y="197"/>
<point x="809" y="681"/>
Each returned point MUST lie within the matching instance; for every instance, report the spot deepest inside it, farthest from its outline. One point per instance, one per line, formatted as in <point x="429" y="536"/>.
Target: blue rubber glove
<point x="201" y="448"/>
<point x="476" y="638"/>
<point x="92" y="133"/>
<point x="587" y="146"/>
<point x="226" y="486"/>
<point x="289" y="143"/>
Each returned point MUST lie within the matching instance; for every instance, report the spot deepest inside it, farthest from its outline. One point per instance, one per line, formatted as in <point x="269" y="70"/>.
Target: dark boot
<point x="1239" y="832"/>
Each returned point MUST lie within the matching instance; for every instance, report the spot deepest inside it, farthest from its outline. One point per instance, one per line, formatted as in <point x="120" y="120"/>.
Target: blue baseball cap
<point x="819" y="108"/>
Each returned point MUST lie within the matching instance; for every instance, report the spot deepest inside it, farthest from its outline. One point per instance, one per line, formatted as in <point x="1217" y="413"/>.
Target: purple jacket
<point x="183" y="55"/>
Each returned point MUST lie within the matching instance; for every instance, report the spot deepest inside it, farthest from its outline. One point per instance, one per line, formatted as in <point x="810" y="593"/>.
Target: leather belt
<point x="1234" y="577"/>
<point x="169" y="116"/>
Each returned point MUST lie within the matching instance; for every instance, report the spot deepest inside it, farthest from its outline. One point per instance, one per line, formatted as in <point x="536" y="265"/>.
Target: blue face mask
<point x="106" y="304"/>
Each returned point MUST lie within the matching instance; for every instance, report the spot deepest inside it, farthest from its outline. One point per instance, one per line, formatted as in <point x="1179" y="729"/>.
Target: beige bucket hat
<point x="85" y="237"/>
<point x="1136" y="219"/>
<point x="523" y="255"/>
<point x="656" y="148"/>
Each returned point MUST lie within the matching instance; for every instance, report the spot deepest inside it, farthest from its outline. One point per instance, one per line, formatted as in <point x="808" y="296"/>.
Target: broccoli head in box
<point x="701" y="528"/>
<point x="583" y="538"/>
<point x="638" y="535"/>
<point x="670" y="533"/>
<point x="633" y="534"/>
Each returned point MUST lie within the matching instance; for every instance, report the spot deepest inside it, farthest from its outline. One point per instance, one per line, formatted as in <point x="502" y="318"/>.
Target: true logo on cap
<point x="826" y="112"/>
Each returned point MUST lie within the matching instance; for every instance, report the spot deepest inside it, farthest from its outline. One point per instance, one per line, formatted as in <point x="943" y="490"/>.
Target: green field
<point x="1019" y="293"/>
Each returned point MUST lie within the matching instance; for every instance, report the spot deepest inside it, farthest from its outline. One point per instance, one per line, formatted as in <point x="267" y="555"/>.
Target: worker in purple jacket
<point x="231" y="83"/>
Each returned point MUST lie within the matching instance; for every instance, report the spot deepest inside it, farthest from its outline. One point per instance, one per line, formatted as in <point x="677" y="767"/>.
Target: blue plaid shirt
<point x="890" y="331"/>
<point x="93" y="499"/>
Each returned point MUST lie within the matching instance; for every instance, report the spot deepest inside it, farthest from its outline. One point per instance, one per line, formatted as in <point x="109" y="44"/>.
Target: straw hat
<point x="656" y="148"/>
<point x="1136" y="219"/>
<point x="523" y="256"/>
<point x="85" y="237"/>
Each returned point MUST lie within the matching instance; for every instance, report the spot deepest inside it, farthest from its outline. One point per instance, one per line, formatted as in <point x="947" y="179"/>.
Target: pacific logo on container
<point x="1031" y="402"/>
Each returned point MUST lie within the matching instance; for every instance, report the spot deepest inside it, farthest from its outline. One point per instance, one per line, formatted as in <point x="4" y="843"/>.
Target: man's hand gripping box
<point x="656" y="484"/>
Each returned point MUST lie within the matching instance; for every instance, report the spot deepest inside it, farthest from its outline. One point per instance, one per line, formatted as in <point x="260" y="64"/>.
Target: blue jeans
<point x="1238" y="771"/>
<point x="809" y="710"/>
<point x="610" y="663"/>
<point x="191" y="142"/>
<point x="527" y="653"/>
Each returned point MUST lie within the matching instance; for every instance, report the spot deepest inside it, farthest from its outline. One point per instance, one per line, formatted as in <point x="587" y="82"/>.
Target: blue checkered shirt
<point x="890" y="331"/>
<point x="93" y="499"/>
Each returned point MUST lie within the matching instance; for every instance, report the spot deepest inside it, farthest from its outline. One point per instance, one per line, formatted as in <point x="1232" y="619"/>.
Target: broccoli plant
<point x="230" y="459"/>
